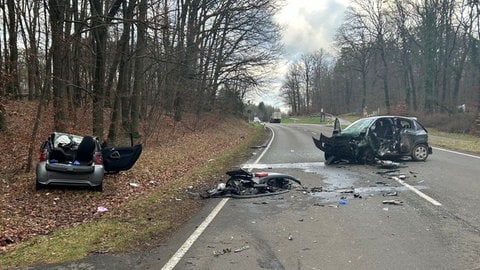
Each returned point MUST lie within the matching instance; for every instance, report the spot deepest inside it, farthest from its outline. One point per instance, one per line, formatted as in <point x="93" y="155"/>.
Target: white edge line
<point x="419" y="193"/>
<point x="455" y="152"/>
<point x="186" y="246"/>
<point x="194" y="236"/>
<point x="266" y="148"/>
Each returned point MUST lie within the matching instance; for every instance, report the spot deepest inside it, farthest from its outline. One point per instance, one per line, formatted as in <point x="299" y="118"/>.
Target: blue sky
<point x="308" y="25"/>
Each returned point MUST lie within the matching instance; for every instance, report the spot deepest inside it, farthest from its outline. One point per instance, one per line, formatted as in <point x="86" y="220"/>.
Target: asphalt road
<point x="436" y="225"/>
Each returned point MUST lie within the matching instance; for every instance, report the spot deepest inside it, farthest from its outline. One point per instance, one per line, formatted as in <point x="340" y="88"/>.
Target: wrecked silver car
<point x="379" y="137"/>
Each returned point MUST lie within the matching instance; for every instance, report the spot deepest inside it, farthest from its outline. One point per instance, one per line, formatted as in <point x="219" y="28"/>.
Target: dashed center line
<point x="418" y="192"/>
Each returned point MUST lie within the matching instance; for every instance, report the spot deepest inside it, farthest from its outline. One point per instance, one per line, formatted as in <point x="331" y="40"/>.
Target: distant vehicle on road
<point x="381" y="137"/>
<point x="276" y="117"/>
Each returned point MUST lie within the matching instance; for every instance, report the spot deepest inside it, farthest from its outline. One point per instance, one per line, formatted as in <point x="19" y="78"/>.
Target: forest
<point x="400" y="56"/>
<point x="133" y="62"/>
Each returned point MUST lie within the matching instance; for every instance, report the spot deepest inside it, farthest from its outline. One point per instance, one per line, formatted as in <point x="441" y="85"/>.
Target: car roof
<point x="390" y="116"/>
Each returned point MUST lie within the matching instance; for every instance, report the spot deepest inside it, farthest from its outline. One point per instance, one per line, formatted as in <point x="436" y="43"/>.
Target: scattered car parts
<point x="244" y="184"/>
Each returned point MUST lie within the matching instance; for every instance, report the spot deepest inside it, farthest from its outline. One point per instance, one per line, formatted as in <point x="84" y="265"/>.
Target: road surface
<point x="434" y="225"/>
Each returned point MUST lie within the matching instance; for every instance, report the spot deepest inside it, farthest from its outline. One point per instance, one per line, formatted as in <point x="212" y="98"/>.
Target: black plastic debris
<point x="244" y="184"/>
<point x="393" y="202"/>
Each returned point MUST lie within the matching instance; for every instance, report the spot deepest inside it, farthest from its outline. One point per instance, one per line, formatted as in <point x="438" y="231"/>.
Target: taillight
<point x="43" y="155"/>
<point x="98" y="158"/>
<point x="261" y="174"/>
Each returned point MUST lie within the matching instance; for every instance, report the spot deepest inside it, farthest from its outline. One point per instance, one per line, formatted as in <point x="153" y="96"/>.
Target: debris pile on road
<point x="244" y="184"/>
<point x="341" y="196"/>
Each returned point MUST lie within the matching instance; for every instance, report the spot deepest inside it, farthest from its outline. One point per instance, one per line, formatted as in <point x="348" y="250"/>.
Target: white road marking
<point x="186" y="246"/>
<point x="189" y="242"/>
<point x="418" y="192"/>
<point x="455" y="152"/>
<point x="196" y="234"/>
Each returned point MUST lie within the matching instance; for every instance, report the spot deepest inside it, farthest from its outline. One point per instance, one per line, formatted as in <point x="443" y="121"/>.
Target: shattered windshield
<point x="357" y="127"/>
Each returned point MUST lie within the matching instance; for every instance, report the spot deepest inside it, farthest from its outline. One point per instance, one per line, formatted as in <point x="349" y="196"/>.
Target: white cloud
<point x="308" y="25"/>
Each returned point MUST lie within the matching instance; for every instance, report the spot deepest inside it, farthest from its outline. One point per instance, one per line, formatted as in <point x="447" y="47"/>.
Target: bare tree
<point x="308" y="62"/>
<point x="13" y="84"/>
<point x="357" y="45"/>
<point x="373" y="14"/>
<point x="57" y="18"/>
<point x="401" y="16"/>
<point x="139" y="73"/>
<point x="291" y="88"/>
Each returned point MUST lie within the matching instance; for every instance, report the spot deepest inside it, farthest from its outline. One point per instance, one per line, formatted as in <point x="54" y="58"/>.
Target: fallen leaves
<point x="25" y="212"/>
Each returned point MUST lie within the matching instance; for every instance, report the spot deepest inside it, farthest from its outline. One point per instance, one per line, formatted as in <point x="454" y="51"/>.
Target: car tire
<point x="367" y="156"/>
<point x="329" y="158"/>
<point x="420" y="152"/>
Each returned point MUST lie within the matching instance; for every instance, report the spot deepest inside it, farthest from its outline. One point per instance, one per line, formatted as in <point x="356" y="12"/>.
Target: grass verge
<point x="141" y="223"/>
<point x="455" y="141"/>
<point x="302" y="120"/>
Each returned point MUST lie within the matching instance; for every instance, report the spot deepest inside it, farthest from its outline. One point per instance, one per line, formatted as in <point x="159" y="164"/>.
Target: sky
<point x="307" y="26"/>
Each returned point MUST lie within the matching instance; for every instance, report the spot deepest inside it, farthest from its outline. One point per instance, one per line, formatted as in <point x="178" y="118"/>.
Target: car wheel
<point x="329" y="158"/>
<point x="367" y="156"/>
<point x="420" y="152"/>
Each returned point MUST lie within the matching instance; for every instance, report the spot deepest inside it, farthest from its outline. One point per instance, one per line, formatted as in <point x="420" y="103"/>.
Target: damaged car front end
<point x="380" y="137"/>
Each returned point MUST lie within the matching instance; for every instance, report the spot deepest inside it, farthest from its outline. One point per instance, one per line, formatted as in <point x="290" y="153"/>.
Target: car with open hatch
<point x="74" y="160"/>
<point x="377" y="137"/>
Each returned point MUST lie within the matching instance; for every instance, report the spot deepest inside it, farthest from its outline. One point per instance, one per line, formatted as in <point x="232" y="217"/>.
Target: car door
<point x="407" y="134"/>
<point x="121" y="158"/>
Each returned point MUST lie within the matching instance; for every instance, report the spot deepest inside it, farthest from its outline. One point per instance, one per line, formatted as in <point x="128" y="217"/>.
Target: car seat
<point x="60" y="155"/>
<point x="85" y="150"/>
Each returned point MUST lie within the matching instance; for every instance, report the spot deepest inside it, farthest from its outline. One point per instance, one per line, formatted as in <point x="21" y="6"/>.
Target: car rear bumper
<point x="66" y="174"/>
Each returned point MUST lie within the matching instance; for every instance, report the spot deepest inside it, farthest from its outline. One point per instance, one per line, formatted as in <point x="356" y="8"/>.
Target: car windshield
<point x="357" y="127"/>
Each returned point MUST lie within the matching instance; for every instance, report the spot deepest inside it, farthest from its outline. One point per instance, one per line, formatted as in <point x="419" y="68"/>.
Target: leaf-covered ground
<point x="168" y="153"/>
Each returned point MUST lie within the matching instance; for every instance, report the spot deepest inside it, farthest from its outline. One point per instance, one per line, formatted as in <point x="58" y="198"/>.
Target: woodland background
<point x="170" y="72"/>
<point x="131" y="63"/>
<point x="400" y="56"/>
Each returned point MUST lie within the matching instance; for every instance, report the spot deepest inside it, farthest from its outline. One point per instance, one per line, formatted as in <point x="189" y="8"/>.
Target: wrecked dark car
<point x="73" y="160"/>
<point x="379" y="137"/>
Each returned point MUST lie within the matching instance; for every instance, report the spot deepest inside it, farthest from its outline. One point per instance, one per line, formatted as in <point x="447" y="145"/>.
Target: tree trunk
<point x="121" y="93"/>
<point x="99" y="32"/>
<point x="13" y="85"/>
<point x="139" y="75"/>
<point x="57" y="11"/>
